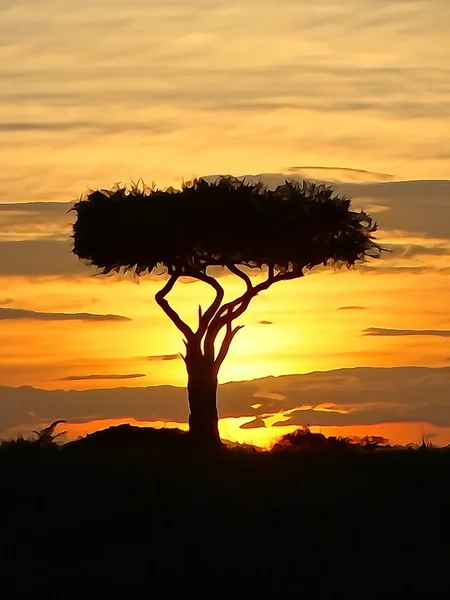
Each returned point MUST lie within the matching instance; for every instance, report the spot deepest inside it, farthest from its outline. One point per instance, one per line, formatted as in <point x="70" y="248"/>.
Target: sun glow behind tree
<point x="227" y="224"/>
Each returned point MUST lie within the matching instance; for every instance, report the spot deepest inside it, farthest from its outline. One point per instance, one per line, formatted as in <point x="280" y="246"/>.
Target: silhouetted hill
<point x="141" y="512"/>
<point x="125" y="437"/>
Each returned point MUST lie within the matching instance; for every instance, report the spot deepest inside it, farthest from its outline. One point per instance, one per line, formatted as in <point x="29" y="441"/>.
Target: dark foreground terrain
<point x="139" y="512"/>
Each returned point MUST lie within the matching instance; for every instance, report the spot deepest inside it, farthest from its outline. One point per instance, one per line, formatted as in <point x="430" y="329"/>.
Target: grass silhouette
<point x="144" y="509"/>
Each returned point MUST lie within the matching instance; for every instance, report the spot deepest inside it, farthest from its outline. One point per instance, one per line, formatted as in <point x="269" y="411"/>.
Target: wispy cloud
<point x="40" y="258"/>
<point x="266" y="322"/>
<point x="107" y="376"/>
<point x="35" y="220"/>
<point x="253" y="424"/>
<point x="380" y="331"/>
<point x="86" y="126"/>
<point x="396" y="270"/>
<point x="352" y="308"/>
<point x="16" y="314"/>
<point x="19" y="126"/>
<point x="161" y="357"/>
<point x="5" y="301"/>
<point x="406" y="251"/>
<point x="339" y="174"/>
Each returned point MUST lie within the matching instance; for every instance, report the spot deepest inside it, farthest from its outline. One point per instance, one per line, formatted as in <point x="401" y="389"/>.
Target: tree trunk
<point x="202" y="397"/>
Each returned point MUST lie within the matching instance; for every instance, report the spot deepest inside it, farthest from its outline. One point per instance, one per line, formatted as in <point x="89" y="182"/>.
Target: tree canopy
<point x="228" y="222"/>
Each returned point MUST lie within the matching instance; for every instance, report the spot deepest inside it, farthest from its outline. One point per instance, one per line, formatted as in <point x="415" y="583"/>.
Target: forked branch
<point x="235" y="308"/>
<point x="236" y="271"/>
<point x="160" y="298"/>
<point x="205" y="318"/>
<point x="226" y="343"/>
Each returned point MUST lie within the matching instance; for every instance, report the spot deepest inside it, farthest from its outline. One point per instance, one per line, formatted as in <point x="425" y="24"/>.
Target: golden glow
<point x="307" y="332"/>
<point x="265" y="438"/>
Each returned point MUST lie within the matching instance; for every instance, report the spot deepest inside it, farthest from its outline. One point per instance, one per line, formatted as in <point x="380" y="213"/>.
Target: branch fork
<point x="217" y="316"/>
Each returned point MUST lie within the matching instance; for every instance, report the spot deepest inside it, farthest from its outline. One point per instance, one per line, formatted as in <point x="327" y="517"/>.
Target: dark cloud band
<point x="19" y="314"/>
<point x="380" y="331"/>
<point x="101" y="377"/>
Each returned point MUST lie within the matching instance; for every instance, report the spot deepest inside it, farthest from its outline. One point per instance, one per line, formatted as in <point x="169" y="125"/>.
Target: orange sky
<point x="307" y="331"/>
<point x="178" y="90"/>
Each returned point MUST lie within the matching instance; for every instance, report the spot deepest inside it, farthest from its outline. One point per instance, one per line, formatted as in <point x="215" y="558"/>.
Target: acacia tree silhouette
<point x="230" y="224"/>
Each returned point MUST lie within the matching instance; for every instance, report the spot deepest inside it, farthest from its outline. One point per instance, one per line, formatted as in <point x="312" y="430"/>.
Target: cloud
<point x="412" y="259"/>
<point x="41" y="126"/>
<point x="40" y="258"/>
<point x="16" y="314"/>
<point x="396" y="270"/>
<point x="107" y="376"/>
<point x="352" y="308"/>
<point x="253" y="424"/>
<point x="167" y="403"/>
<point x="379" y="331"/>
<point x="406" y="251"/>
<point x="155" y="358"/>
<point x="99" y="127"/>
<point x="266" y="322"/>
<point x="405" y="203"/>
<point x="47" y="257"/>
<point x="318" y="87"/>
<point x="365" y="395"/>
<point x="311" y="417"/>
<point x="339" y="174"/>
<point x="35" y="220"/>
<point x="5" y="301"/>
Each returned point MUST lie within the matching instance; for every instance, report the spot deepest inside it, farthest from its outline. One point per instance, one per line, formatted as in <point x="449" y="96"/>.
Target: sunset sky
<point x="354" y="93"/>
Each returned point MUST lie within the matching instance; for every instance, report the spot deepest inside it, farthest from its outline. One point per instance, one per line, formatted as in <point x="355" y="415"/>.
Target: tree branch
<point x="264" y="285"/>
<point x="220" y="312"/>
<point x="236" y="271"/>
<point x="233" y="303"/>
<point x="271" y="279"/>
<point x="205" y="318"/>
<point x="160" y="298"/>
<point x="234" y="309"/>
<point x="226" y="343"/>
<point x="221" y="319"/>
<point x="252" y="291"/>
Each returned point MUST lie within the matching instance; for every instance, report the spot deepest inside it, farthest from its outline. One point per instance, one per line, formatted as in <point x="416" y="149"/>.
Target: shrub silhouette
<point x="304" y="439"/>
<point x="47" y="436"/>
<point x="230" y="224"/>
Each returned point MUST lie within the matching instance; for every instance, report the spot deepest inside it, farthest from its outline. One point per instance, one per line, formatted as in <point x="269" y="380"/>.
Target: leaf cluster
<point x="227" y="222"/>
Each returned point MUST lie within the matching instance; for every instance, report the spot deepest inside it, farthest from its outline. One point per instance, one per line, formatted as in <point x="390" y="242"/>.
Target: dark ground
<point x="140" y="512"/>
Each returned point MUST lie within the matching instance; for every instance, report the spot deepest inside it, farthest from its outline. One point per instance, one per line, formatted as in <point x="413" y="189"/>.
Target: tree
<point x="230" y="224"/>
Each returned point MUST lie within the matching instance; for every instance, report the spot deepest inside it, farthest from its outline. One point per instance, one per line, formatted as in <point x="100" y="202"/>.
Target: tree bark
<point x="202" y="397"/>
